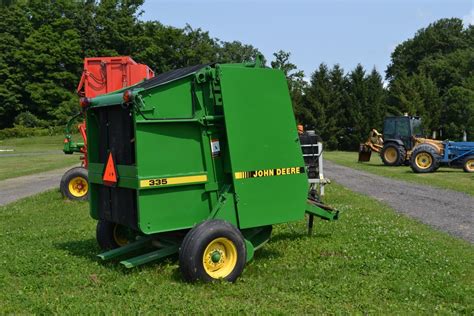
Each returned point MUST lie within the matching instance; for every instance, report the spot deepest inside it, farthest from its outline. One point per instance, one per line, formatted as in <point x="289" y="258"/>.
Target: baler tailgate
<point x="267" y="164"/>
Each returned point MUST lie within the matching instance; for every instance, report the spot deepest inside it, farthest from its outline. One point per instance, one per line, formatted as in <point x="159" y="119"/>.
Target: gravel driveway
<point x="446" y="210"/>
<point x="17" y="188"/>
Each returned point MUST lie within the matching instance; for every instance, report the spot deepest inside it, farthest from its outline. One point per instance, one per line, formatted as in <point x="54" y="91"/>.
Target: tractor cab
<point x="400" y="135"/>
<point x="402" y="128"/>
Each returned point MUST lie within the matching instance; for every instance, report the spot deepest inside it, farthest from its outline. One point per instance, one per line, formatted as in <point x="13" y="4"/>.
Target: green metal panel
<point x="172" y="100"/>
<point x="164" y="149"/>
<point x="127" y="175"/>
<point x="172" y="208"/>
<point x="262" y="136"/>
<point x="167" y="150"/>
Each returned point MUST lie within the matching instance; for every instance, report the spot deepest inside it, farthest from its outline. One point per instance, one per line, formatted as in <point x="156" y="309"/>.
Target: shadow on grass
<point x="84" y="248"/>
<point x="265" y="253"/>
<point x="291" y="236"/>
<point x="88" y="249"/>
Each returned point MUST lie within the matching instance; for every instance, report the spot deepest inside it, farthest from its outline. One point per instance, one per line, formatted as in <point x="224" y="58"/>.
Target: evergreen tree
<point x="334" y="111"/>
<point x="357" y="109"/>
<point x="376" y="100"/>
<point x="316" y="100"/>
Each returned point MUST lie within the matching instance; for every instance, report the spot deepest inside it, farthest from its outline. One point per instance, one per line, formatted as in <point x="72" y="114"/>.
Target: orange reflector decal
<point x="110" y="176"/>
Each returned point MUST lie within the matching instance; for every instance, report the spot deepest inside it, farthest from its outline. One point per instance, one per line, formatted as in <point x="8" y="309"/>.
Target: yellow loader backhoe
<point x="401" y="135"/>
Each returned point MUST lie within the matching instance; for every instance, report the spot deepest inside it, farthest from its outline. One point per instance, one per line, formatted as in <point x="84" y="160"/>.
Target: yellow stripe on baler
<point x="159" y="182"/>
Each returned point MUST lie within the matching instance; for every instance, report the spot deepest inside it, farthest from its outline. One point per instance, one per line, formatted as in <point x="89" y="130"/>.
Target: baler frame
<point x="155" y="247"/>
<point x="205" y="176"/>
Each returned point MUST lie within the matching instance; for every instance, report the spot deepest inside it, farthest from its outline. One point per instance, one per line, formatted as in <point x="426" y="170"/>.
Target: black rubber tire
<point x="401" y="154"/>
<point x="465" y="164"/>
<point x="105" y="235"/>
<point x="428" y="149"/>
<point x="195" y="242"/>
<point x="67" y="177"/>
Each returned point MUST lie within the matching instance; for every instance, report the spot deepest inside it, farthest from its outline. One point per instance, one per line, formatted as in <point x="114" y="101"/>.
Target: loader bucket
<point x="364" y="153"/>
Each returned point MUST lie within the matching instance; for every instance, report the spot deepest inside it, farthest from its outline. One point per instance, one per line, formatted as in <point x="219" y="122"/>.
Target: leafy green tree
<point x="43" y="43"/>
<point x="52" y="61"/>
<point x="427" y="72"/>
<point x="458" y="114"/>
<point x="15" y="28"/>
<point x="449" y="70"/>
<point x="236" y="52"/>
<point x="439" y="38"/>
<point x="28" y="119"/>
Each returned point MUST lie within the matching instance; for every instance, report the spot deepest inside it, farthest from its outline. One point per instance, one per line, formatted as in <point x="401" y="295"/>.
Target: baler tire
<point x="468" y="164"/>
<point x="416" y="163"/>
<point x="400" y="151"/>
<point x="108" y="237"/>
<point x="68" y="187"/>
<point x="229" y="243"/>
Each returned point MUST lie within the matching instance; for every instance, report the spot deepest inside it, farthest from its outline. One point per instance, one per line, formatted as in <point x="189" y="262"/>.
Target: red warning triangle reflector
<point x="110" y="176"/>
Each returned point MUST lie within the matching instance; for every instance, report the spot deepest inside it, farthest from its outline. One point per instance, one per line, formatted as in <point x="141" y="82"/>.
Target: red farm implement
<point x="101" y="75"/>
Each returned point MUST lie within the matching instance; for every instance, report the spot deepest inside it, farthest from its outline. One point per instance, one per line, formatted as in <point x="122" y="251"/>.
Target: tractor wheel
<point x="424" y="159"/>
<point x="393" y="154"/>
<point x="74" y="184"/>
<point x="110" y="235"/>
<point x="468" y="165"/>
<point x="212" y="250"/>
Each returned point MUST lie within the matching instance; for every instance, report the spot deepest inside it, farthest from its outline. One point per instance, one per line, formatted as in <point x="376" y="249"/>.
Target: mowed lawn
<point x="447" y="178"/>
<point x="371" y="260"/>
<point x="23" y="156"/>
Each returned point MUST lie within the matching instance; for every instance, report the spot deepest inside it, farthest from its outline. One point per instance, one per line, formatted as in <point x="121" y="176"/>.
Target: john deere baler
<point x="202" y="161"/>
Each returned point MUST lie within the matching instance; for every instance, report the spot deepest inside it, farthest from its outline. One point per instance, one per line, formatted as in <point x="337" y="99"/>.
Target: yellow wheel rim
<point x="423" y="160"/>
<point x="470" y="165"/>
<point x="219" y="258"/>
<point x="119" y="237"/>
<point x="78" y="187"/>
<point x="390" y="155"/>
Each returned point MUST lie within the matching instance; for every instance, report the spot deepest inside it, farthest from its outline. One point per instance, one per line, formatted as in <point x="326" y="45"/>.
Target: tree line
<point x="430" y="75"/>
<point x="43" y="43"/>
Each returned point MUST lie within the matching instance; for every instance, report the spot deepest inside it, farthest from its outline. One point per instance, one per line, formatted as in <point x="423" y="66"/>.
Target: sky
<point x="346" y="32"/>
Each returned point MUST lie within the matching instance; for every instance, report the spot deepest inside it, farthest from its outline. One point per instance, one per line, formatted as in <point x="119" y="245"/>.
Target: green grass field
<point x="447" y="178"/>
<point x="370" y="261"/>
<point x="32" y="155"/>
